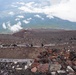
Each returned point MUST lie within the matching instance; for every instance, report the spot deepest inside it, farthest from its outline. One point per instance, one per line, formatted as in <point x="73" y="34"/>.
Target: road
<point x="16" y="60"/>
<point x="25" y="45"/>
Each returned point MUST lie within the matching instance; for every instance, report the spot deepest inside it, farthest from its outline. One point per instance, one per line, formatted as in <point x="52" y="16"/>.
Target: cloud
<point x="49" y="16"/>
<point x="29" y="4"/>
<point x="17" y="19"/>
<point x="30" y="8"/>
<point x="20" y="16"/>
<point x="14" y="5"/>
<point x="51" y="2"/>
<point x="54" y="1"/>
<point x="4" y="26"/>
<point x="29" y="19"/>
<point x="38" y="16"/>
<point x="21" y="3"/>
<point x="64" y="1"/>
<point x="11" y="13"/>
<point x="26" y="21"/>
<point x="15" y="27"/>
<point x="64" y="9"/>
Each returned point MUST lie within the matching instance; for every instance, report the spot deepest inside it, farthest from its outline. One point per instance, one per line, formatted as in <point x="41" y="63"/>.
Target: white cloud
<point x="21" y="3"/>
<point x="64" y="9"/>
<point x="64" y="1"/>
<point x="38" y="16"/>
<point x="29" y="19"/>
<point x="11" y="13"/>
<point x="26" y="21"/>
<point x="29" y="4"/>
<point x="15" y="27"/>
<point x="4" y="26"/>
<point x="50" y="16"/>
<point x="20" y="16"/>
<point x="30" y="8"/>
<point x="14" y="5"/>
<point x="52" y="2"/>
<point x="17" y="19"/>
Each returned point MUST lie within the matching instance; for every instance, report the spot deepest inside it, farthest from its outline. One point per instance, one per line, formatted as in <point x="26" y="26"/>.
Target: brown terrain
<point x="53" y="52"/>
<point x="21" y="44"/>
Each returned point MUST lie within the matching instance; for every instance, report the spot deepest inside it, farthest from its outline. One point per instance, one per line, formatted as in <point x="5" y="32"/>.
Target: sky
<point x="63" y="9"/>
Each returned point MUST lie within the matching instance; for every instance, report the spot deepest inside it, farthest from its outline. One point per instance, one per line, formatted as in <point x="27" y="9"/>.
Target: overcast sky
<point x="63" y="9"/>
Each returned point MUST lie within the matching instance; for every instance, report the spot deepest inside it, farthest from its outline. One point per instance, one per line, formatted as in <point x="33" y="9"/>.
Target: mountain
<point x="22" y="14"/>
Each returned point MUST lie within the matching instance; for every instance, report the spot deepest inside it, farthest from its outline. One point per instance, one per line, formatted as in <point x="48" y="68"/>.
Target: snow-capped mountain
<point x="22" y="14"/>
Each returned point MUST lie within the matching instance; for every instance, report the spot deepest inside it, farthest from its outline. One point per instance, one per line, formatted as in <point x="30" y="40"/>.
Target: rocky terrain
<point x="53" y="51"/>
<point x="17" y="45"/>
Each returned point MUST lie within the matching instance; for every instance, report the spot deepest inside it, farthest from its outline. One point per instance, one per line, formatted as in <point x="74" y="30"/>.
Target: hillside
<point x="22" y="43"/>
